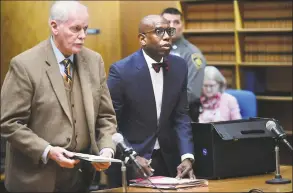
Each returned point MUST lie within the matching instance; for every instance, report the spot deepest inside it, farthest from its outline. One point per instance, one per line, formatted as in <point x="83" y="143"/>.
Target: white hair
<point x="212" y="73"/>
<point x="60" y="10"/>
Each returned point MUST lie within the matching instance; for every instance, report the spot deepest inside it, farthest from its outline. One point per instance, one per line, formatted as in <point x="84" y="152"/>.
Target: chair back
<point x="247" y="102"/>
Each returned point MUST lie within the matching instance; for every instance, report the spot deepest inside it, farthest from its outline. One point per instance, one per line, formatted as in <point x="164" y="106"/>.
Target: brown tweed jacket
<point x="35" y="113"/>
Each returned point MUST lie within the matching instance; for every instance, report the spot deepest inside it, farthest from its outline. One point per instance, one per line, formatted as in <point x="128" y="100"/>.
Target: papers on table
<point x="95" y="158"/>
<point x="168" y="183"/>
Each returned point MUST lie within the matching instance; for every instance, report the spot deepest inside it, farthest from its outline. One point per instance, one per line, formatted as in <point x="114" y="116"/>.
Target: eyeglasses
<point x="160" y="31"/>
<point x="212" y="86"/>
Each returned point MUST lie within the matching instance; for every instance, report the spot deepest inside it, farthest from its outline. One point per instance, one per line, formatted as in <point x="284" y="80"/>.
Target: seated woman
<point x="216" y="104"/>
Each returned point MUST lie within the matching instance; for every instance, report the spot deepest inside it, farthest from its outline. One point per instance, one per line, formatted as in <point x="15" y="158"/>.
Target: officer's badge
<point x="196" y="59"/>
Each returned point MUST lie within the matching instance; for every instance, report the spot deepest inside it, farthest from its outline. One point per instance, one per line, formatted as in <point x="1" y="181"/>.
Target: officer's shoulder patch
<point x="197" y="60"/>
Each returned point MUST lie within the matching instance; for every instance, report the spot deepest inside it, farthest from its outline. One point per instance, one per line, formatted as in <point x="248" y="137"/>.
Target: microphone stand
<point x="278" y="177"/>
<point x="124" y="178"/>
<point x="129" y="153"/>
<point x="126" y="153"/>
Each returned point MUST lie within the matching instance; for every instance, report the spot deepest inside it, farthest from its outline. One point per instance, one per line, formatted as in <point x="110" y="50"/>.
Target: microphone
<point x="127" y="151"/>
<point x="272" y="127"/>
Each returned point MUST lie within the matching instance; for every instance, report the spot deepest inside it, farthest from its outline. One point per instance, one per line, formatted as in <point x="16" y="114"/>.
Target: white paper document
<point x="95" y="158"/>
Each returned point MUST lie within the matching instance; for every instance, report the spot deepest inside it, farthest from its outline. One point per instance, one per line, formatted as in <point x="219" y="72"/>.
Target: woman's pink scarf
<point x="212" y="102"/>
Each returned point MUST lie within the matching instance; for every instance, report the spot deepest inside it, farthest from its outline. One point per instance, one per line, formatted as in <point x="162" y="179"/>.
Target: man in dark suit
<point x="55" y="101"/>
<point x="149" y="94"/>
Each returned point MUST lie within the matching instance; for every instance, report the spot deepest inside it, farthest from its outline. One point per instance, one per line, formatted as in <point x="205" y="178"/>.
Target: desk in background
<point x="241" y="184"/>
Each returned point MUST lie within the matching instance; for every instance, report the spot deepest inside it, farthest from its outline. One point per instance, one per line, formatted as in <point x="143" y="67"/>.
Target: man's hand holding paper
<point x="62" y="157"/>
<point x="100" y="166"/>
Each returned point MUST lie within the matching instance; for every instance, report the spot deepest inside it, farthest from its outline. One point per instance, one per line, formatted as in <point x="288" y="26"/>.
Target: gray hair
<point x="60" y="10"/>
<point x="212" y="73"/>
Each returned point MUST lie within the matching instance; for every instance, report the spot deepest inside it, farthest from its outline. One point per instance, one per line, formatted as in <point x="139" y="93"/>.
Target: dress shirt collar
<point x="149" y="60"/>
<point x="59" y="56"/>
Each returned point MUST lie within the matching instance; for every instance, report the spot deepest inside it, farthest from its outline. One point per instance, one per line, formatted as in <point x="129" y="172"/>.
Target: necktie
<point x="158" y="66"/>
<point x="67" y="64"/>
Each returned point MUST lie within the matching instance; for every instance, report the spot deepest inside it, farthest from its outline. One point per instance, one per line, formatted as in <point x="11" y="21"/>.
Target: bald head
<point x="149" y="22"/>
<point x="155" y="36"/>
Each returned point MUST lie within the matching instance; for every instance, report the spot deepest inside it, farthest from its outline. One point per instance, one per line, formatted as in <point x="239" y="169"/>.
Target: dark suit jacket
<point x="133" y="98"/>
<point x="35" y="113"/>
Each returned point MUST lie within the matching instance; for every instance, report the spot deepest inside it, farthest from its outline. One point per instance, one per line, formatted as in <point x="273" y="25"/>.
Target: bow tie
<point x="158" y="66"/>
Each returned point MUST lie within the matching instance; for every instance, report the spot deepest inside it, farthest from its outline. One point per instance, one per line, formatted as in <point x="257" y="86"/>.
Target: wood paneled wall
<point x="104" y="15"/>
<point x="25" y="23"/>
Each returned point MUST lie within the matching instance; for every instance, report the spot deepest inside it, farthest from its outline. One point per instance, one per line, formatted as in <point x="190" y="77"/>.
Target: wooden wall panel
<point x="104" y="15"/>
<point x="131" y="12"/>
<point x="25" y="23"/>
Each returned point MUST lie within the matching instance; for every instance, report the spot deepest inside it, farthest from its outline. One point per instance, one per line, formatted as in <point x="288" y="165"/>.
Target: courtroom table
<point x="240" y="184"/>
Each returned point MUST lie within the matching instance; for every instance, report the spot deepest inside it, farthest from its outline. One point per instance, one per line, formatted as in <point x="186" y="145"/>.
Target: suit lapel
<point x="145" y="83"/>
<point x="87" y="97"/>
<point x="53" y="72"/>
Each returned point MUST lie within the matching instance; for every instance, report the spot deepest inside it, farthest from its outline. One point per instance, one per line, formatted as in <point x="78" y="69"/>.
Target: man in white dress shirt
<point x="149" y="94"/>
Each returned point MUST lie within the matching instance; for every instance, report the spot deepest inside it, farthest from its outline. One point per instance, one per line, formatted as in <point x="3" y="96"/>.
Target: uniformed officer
<point x="194" y="58"/>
